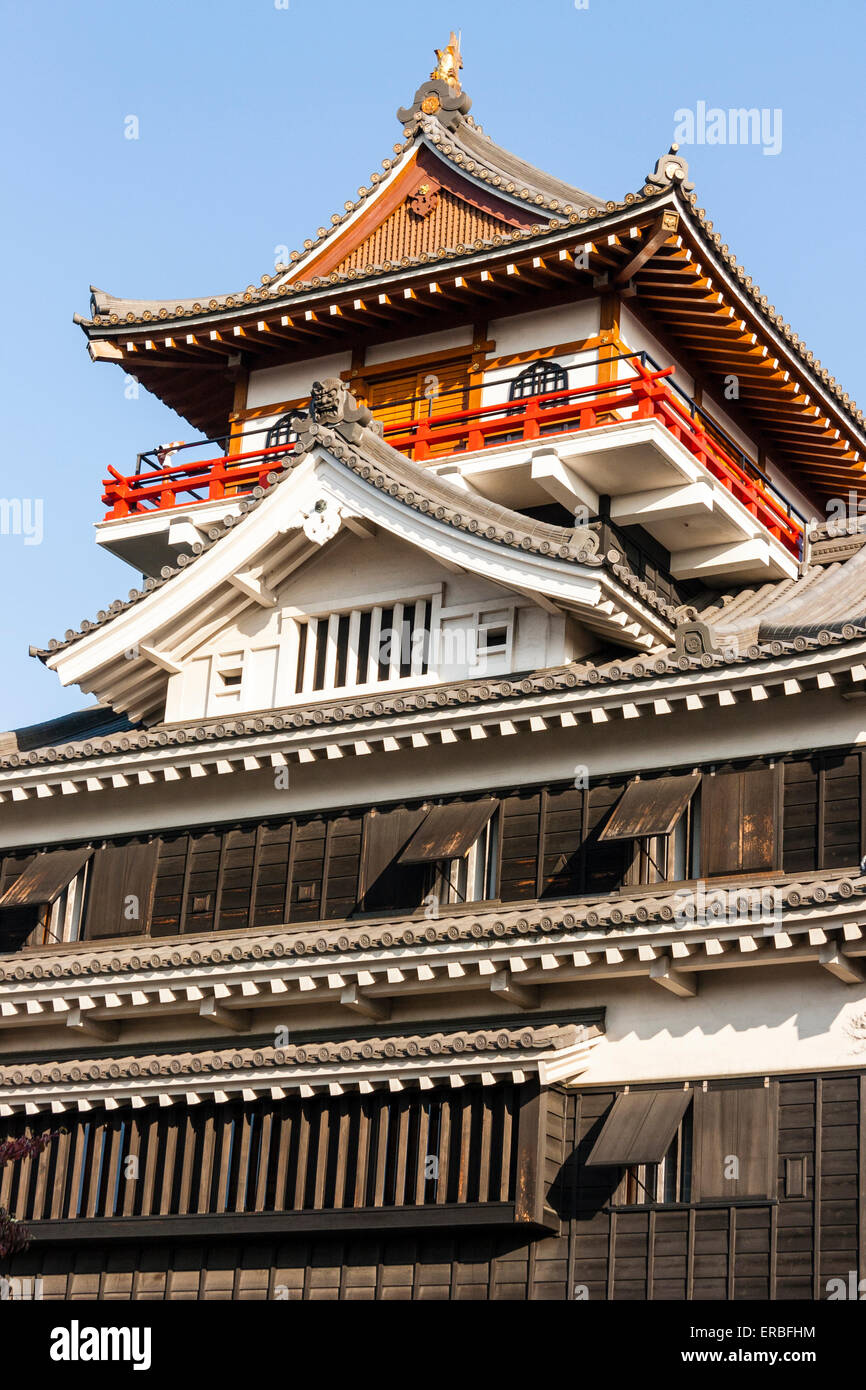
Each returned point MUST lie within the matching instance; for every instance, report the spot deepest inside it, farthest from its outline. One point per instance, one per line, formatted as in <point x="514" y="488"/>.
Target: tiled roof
<point x="823" y="608"/>
<point x="639" y="907"/>
<point x="825" y="598"/>
<point x="459" y="695"/>
<point x="110" y="312"/>
<point x="94" y="722"/>
<point x="418" y="488"/>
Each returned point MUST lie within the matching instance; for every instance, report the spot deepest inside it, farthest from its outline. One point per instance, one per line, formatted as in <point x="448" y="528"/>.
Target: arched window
<point x="280" y="433"/>
<point x="537" y="379"/>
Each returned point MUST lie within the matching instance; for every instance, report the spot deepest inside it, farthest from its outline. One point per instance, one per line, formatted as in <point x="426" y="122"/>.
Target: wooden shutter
<point x="448" y="832"/>
<point x="453" y="386"/>
<point x="650" y="806"/>
<point x="735" y="1123"/>
<point x="392" y="398"/>
<point x="45" y="878"/>
<point x="403" y="398"/>
<point x="822" y="816"/>
<point x="540" y="1153"/>
<point x="119" y="874"/>
<point x="385" y="835"/>
<point x="640" y="1128"/>
<point x="738" y="815"/>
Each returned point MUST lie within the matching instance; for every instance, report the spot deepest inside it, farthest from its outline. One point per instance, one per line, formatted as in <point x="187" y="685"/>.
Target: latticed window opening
<point x="536" y="380"/>
<point x="280" y="433"/>
<point x="319" y="1154"/>
<point x="367" y="646"/>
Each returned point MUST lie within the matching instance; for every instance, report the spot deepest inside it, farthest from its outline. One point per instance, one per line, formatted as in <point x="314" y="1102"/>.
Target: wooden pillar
<point x="236" y="418"/>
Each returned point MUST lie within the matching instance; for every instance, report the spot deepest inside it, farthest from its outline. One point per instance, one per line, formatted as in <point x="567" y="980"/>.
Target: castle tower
<point x="460" y="864"/>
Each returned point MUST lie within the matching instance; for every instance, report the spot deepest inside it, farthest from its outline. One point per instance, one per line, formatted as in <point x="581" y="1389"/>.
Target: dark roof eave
<point x="748" y="297"/>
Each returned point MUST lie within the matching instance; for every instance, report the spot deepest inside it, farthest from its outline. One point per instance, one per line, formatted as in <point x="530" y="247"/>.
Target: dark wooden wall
<point x="310" y="868"/>
<point x="788" y="1246"/>
<point x="321" y="1154"/>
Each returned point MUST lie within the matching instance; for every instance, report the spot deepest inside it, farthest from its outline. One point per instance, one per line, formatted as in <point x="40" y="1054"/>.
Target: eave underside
<point x="675" y="282"/>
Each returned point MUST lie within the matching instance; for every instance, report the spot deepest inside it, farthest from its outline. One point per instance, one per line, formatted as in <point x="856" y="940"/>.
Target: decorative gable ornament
<point x="319" y="525"/>
<point x="442" y="96"/>
<point x="695" y="638"/>
<point x="424" y="200"/>
<point x="332" y="404"/>
<point x="671" y="168"/>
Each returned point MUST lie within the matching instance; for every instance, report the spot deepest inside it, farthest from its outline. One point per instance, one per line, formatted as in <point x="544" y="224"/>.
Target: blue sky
<point x="256" y="122"/>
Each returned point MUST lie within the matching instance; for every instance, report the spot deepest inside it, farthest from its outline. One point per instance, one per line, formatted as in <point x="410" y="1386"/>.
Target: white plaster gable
<point x="253" y="661"/>
<point x="127" y="661"/>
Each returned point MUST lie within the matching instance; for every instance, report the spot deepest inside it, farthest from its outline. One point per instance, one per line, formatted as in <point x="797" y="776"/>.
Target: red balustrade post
<point x="422" y="438"/>
<point x="643" y="391"/>
<point x="216" y="483"/>
<point x="119" y="498"/>
<point x="531" y="428"/>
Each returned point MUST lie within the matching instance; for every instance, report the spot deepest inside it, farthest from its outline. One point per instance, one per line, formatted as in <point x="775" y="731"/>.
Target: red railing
<point x="208" y="480"/>
<point x="646" y="395"/>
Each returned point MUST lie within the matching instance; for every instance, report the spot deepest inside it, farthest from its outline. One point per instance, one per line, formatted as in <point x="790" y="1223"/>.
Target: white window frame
<point x="66" y="915"/>
<point x="291" y="620"/>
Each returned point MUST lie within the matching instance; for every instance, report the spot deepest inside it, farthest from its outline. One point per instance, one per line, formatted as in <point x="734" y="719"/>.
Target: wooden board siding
<point x="563" y="868"/>
<point x="519" y="836"/>
<point x="309" y="868"/>
<point x="783" y="1247"/>
<point x="823" y="800"/>
<point x="344" y="865"/>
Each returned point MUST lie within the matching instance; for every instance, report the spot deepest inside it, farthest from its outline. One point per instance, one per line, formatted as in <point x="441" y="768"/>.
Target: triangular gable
<point x="426" y="207"/>
<point x="361" y="483"/>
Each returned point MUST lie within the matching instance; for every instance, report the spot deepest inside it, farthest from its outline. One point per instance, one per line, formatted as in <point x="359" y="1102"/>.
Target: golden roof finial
<point x="450" y="62"/>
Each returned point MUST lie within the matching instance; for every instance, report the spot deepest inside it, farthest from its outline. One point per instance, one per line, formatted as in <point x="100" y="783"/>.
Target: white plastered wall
<point x="741" y="1022"/>
<point x="354" y="572"/>
<point x="289" y="382"/>
<point x="638" y="339"/>
<point x="380" y="354"/>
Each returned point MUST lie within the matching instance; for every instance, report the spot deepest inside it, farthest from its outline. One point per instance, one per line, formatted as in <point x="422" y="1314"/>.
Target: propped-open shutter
<point x="448" y="832"/>
<point x="738" y="815"/>
<point x="386" y="833"/>
<point x="733" y="1144"/>
<point x="650" y="806"/>
<point x="640" y="1128"/>
<point x="45" y="878"/>
<point x="121" y="889"/>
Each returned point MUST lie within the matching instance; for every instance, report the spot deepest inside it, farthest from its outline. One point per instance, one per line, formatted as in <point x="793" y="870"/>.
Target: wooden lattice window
<point x="415" y="1149"/>
<point x="280" y="433"/>
<point x="536" y="380"/>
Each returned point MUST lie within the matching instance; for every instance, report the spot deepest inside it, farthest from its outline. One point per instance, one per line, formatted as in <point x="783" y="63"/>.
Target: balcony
<point x="636" y="440"/>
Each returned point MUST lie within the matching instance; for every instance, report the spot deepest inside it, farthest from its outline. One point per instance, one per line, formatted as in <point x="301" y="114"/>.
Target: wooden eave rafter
<point x="516" y="956"/>
<point x="678" y="284"/>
